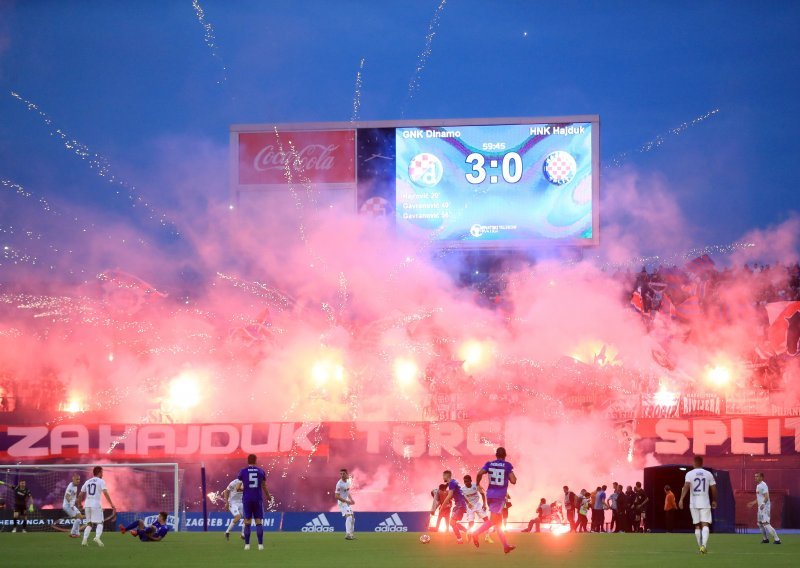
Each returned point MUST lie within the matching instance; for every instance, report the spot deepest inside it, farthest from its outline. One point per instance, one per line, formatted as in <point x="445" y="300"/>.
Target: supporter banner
<point x="748" y="403"/>
<point x="399" y="440"/>
<point x="316" y="157"/>
<point x="656" y="406"/>
<point x="161" y="441"/>
<point x="700" y="404"/>
<point x="721" y="436"/>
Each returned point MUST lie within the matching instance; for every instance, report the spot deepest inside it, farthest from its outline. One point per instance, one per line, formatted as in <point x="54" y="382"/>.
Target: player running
<point x="91" y="491"/>
<point x="703" y="487"/>
<point x="344" y="501"/>
<point x="154" y="533"/>
<point x="500" y="473"/>
<point x="764" y="506"/>
<point x="23" y="502"/>
<point x="233" y="501"/>
<point x="253" y="482"/>
<point x="70" y="508"/>
<point x="460" y="504"/>
<point x="439" y="494"/>
<point x="475" y="497"/>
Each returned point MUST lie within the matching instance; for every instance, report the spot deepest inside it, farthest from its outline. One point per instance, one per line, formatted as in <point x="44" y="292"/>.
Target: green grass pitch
<point x="209" y="550"/>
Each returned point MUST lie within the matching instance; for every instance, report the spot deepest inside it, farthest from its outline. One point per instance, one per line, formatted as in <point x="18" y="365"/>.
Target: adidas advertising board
<point x="392" y="524"/>
<point x="318" y="524"/>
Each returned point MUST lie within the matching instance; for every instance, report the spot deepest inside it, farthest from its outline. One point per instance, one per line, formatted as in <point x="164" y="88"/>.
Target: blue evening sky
<point x="124" y="77"/>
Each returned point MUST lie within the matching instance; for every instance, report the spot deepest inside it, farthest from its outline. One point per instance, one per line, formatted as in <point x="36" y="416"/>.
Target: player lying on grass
<point x="154" y="533"/>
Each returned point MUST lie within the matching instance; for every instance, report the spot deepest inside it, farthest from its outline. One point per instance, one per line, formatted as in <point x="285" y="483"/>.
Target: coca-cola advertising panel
<point x="315" y="157"/>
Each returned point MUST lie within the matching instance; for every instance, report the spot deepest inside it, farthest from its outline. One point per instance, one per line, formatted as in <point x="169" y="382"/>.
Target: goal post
<point x="135" y="488"/>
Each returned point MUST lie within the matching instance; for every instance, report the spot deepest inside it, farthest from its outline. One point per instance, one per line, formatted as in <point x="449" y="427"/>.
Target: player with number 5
<point x="500" y="474"/>
<point x="253" y="483"/>
<point x="703" y="488"/>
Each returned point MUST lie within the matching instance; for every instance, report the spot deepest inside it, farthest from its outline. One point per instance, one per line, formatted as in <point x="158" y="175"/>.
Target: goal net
<point x="137" y="490"/>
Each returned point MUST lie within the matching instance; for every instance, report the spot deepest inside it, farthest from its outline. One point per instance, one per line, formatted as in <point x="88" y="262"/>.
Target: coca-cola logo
<point x="319" y="157"/>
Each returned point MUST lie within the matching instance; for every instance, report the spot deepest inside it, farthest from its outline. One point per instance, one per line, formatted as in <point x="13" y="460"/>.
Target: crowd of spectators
<point x="586" y="511"/>
<point x="45" y="395"/>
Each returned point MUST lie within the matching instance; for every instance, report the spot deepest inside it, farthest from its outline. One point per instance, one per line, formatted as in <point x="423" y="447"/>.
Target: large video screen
<point x="495" y="183"/>
<point x="481" y="183"/>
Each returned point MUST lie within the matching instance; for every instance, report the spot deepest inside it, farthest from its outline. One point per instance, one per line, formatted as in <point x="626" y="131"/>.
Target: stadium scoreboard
<point x="471" y="183"/>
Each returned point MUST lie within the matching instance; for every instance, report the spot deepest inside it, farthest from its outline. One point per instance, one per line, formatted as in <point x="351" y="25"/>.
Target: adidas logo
<point x="392" y="524"/>
<point x="318" y="524"/>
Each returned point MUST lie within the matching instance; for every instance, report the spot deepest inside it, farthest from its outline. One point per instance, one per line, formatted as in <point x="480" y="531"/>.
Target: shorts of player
<point x="345" y="509"/>
<point x="253" y="510"/>
<point x="701" y="515"/>
<point x="496" y="504"/>
<point x="458" y="513"/>
<point x="480" y="514"/>
<point x="20" y="511"/>
<point x="94" y="515"/>
<point x="236" y="508"/>
<point x="763" y="515"/>
<point x="71" y="510"/>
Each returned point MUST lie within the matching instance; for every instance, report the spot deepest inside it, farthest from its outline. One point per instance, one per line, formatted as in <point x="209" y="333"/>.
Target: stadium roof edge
<point x="416" y="122"/>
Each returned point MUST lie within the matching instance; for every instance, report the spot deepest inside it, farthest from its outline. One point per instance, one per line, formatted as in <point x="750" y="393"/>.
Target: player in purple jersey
<point x="500" y="473"/>
<point x="154" y="533"/>
<point x="252" y="482"/>
<point x="460" y="507"/>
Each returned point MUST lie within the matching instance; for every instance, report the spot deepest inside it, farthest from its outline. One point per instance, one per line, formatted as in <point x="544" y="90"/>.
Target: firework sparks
<point x="656" y="142"/>
<point x="98" y="163"/>
<point x="422" y="60"/>
<point x="210" y="38"/>
<point x="357" y="95"/>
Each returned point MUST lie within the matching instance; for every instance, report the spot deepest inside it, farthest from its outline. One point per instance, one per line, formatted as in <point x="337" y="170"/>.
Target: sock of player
<point x="349" y="524"/>
<point x="487" y="524"/>
<point x="260" y="533"/>
<point x="247" y="534"/>
<point x="230" y="526"/>
<point x="502" y="535"/>
<point x="772" y="533"/>
<point x="763" y="531"/>
<point x="456" y="529"/>
<point x="24" y="524"/>
<point x="86" y="532"/>
<point x="699" y="536"/>
<point x="15" y="522"/>
<point x="99" y="530"/>
<point x="76" y="526"/>
<point x="705" y="536"/>
<point x="132" y="526"/>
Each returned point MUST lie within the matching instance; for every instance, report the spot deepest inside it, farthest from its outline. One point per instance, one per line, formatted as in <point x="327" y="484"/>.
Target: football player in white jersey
<point x="92" y="490"/>
<point x="344" y="501"/>
<point x="764" y="506"/>
<point x="233" y="500"/>
<point x="70" y="507"/>
<point x="476" y="504"/>
<point x="702" y="486"/>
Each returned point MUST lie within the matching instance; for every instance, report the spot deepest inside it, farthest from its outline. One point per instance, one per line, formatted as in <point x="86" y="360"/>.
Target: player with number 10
<point x="91" y="491"/>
